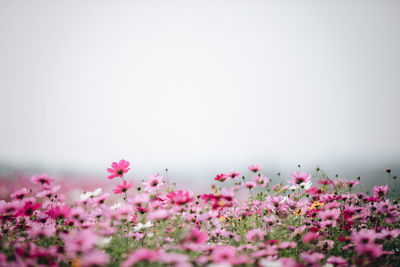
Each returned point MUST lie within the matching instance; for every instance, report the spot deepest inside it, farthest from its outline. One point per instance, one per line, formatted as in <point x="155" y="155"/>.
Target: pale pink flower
<point x="95" y="257"/>
<point x="337" y="261"/>
<point x="299" y="178"/>
<point x="255" y="235"/>
<point x="154" y="183"/>
<point x="20" y="194"/>
<point x="42" y="179"/>
<point x="234" y="175"/>
<point x="141" y="255"/>
<point x="255" y="167"/>
<point x="260" y="180"/>
<point x="196" y="236"/>
<point x="223" y="254"/>
<point x="250" y="184"/>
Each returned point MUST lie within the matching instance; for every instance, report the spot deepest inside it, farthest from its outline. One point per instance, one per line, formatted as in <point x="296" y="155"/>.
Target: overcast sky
<point x="199" y="86"/>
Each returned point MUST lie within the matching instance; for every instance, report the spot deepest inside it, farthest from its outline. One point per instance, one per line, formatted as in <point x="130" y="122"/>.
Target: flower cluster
<point x="247" y="222"/>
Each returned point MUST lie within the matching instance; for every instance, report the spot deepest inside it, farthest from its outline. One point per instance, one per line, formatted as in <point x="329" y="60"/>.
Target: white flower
<point x="150" y="234"/>
<point x="103" y="241"/>
<point x="88" y="194"/>
<point x="115" y="206"/>
<point x="292" y="188"/>
<point x="141" y="226"/>
<point x="306" y="186"/>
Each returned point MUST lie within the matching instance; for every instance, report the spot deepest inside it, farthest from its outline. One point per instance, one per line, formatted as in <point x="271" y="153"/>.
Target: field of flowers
<point x="242" y="221"/>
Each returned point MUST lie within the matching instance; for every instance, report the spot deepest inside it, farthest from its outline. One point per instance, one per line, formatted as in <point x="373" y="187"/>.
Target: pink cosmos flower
<point x="59" y="212"/>
<point x="79" y="241"/>
<point x="312" y="257"/>
<point x="234" y="175"/>
<point x="310" y="236"/>
<point x="364" y="237"/>
<point x="48" y="191"/>
<point x="123" y="188"/>
<point x="260" y="180"/>
<point x="28" y="208"/>
<point x="287" y="245"/>
<point x="250" y="184"/>
<point x="223" y="254"/>
<point x="154" y="183"/>
<point x="159" y="214"/>
<point x="380" y="191"/>
<point x="42" y="179"/>
<point x="299" y="178"/>
<point x="221" y="177"/>
<point x="255" y="167"/>
<point x="336" y="261"/>
<point x="329" y="217"/>
<point x="174" y="259"/>
<point x="20" y="194"/>
<point x="371" y="250"/>
<point x="196" y="236"/>
<point x="95" y="257"/>
<point x="118" y="169"/>
<point x="180" y="197"/>
<point x="255" y="235"/>
<point x="141" y="255"/>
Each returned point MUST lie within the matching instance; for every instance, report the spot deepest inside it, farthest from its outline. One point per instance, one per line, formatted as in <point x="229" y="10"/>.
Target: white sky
<point x="198" y="86"/>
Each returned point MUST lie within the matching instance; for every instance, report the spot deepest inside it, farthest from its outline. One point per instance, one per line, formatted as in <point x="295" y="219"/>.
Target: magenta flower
<point x="380" y="191"/>
<point x="59" y="212"/>
<point x="180" y="197"/>
<point x="299" y="178"/>
<point x="221" y="177"/>
<point x="255" y="167"/>
<point x="118" y="169"/>
<point x="123" y="188"/>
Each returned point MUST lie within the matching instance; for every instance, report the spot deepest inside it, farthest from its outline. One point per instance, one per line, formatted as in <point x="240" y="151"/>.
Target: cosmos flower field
<point x="243" y="220"/>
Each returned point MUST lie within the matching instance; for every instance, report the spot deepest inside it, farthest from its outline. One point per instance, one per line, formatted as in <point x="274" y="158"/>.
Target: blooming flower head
<point x="223" y="254"/>
<point x="20" y="194"/>
<point x="255" y="167"/>
<point x="141" y="255"/>
<point x="260" y="180"/>
<point x="234" y="175"/>
<point x="123" y="188"/>
<point x="255" y="235"/>
<point x="221" y="177"/>
<point x="196" y="236"/>
<point x="154" y="183"/>
<point x="380" y="191"/>
<point x="299" y="178"/>
<point x="89" y="194"/>
<point x="118" y="169"/>
<point x="180" y="197"/>
<point x="250" y="184"/>
<point x="336" y="261"/>
<point x="43" y="179"/>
